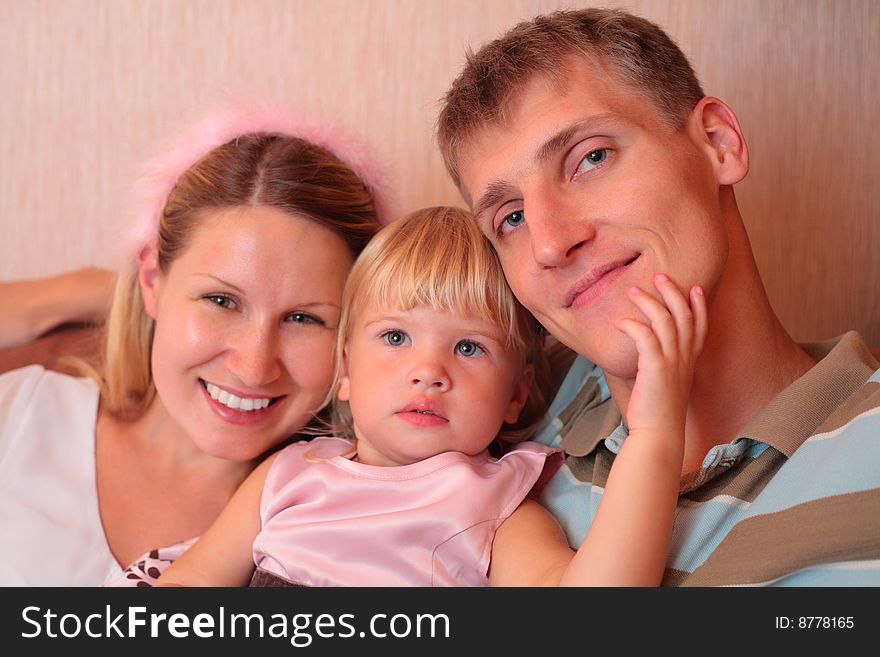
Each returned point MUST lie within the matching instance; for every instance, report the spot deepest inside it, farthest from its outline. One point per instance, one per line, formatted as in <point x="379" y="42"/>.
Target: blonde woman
<point x="219" y="349"/>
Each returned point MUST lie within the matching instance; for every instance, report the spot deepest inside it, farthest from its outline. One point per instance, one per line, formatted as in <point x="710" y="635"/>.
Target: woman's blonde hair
<point x="437" y="257"/>
<point x="254" y="170"/>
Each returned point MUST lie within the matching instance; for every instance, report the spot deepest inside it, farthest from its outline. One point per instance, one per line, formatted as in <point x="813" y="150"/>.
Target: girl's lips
<point x="423" y="412"/>
<point x="422" y="419"/>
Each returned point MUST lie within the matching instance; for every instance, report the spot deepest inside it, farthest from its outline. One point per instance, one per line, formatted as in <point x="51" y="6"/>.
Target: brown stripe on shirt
<point x="744" y="481"/>
<point x="862" y="401"/>
<point x="760" y="549"/>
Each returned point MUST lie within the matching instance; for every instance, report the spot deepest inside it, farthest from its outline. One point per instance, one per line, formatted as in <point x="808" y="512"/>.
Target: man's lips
<point x="593" y="284"/>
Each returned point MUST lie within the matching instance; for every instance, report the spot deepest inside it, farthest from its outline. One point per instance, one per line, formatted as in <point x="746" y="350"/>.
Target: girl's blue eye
<point x="395" y="338"/>
<point x="469" y="349"/>
<point x="304" y="318"/>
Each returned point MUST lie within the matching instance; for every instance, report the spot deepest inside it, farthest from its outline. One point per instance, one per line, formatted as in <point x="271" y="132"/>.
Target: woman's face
<point x="246" y="321"/>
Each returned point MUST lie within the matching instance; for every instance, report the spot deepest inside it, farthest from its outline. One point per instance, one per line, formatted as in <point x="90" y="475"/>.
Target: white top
<point x="50" y="527"/>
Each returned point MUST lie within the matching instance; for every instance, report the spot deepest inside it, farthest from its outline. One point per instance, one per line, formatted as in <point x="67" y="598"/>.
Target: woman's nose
<point x="253" y="357"/>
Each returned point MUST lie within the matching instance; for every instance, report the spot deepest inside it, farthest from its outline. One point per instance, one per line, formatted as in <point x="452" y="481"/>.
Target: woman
<point x="218" y="349"/>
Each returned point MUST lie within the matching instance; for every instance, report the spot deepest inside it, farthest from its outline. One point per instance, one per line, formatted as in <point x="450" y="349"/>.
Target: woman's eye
<point x="469" y="349"/>
<point x="593" y="159"/>
<point x="304" y="318"/>
<point x="395" y="338"/>
<point x="221" y="300"/>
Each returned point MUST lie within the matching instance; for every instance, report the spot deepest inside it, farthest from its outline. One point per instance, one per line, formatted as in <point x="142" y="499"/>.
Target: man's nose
<point x="557" y="229"/>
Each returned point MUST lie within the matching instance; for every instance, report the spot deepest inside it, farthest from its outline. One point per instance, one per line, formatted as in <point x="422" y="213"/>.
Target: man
<point x="594" y="162"/>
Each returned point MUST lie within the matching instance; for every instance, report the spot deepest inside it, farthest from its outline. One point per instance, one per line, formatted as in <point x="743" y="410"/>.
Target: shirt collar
<point x="844" y="364"/>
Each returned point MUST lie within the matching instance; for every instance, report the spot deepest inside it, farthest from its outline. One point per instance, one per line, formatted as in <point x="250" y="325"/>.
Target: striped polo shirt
<point x="793" y="501"/>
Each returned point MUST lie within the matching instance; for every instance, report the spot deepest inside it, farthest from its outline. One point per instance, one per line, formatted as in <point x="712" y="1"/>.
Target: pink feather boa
<point x="217" y="128"/>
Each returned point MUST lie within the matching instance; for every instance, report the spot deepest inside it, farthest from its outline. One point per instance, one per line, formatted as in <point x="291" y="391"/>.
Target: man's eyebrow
<point x="495" y="192"/>
<point x="556" y="142"/>
<point x="561" y="139"/>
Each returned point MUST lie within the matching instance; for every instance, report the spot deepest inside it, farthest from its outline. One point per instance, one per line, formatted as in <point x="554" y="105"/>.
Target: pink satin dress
<point x="331" y="521"/>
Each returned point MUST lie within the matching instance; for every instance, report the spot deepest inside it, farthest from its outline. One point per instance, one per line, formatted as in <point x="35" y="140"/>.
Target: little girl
<point x="436" y="360"/>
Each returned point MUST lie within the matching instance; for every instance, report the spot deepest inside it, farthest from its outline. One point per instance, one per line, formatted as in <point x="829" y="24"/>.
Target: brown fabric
<point x="559" y="359"/>
<point x="263" y="578"/>
<point x="838" y="528"/>
<point x="799" y="410"/>
<point x="744" y="482"/>
<point x="55" y="349"/>
<point x="587" y="420"/>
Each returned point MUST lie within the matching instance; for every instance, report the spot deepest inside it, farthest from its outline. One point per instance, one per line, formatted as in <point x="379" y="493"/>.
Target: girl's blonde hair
<point x="253" y="170"/>
<point x="437" y="257"/>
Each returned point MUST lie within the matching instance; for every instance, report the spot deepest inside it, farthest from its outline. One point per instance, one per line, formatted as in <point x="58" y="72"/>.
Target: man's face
<point x="584" y="193"/>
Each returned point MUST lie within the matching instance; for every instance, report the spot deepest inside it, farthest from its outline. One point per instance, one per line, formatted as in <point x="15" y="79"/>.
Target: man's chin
<point x="617" y="357"/>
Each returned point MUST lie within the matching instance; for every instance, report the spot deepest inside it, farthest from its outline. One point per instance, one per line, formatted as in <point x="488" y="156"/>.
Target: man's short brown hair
<point x="633" y="50"/>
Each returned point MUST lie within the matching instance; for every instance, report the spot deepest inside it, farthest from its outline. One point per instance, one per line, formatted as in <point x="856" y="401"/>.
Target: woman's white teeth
<point x="234" y="402"/>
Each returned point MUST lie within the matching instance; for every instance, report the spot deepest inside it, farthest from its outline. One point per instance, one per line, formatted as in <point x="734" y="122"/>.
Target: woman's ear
<point x="149" y="277"/>
<point x="715" y="126"/>
<point x="520" y="394"/>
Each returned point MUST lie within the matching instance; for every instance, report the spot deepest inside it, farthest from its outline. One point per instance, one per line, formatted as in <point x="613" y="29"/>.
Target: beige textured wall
<point x="89" y="86"/>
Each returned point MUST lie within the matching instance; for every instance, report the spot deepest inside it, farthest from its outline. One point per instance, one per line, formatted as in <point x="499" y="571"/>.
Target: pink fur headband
<point x="218" y="128"/>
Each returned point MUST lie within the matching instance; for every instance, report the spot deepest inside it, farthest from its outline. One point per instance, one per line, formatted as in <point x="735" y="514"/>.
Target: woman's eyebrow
<point x="219" y="280"/>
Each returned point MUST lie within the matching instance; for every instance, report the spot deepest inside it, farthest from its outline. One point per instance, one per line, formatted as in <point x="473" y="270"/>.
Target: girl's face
<point x="246" y="320"/>
<point x="423" y="382"/>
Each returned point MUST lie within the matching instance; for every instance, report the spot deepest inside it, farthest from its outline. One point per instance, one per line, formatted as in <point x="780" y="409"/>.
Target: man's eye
<point x="593" y="159"/>
<point x="221" y="300"/>
<point x="469" y="349"/>
<point x="304" y="318"/>
<point x="395" y="338"/>
<point x="511" y="221"/>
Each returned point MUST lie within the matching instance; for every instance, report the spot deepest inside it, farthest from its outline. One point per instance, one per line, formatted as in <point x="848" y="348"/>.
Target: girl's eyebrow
<point x="386" y="317"/>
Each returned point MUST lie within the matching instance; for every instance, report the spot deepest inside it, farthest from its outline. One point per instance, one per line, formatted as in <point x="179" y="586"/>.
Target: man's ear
<point x="148" y="278"/>
<point x="343" y="390"/>
<point x="520" y="394"/>
<point x="715" y="126"/>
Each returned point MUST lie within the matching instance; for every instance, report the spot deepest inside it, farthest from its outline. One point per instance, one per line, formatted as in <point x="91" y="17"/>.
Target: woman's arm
<point x="223" y="556"/>
<point x="628" y="539"/>
<point x="31" y="308"/>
